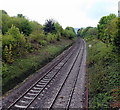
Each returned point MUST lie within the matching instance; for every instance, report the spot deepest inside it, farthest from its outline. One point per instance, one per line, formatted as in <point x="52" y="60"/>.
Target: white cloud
<point x="75" y="13"/>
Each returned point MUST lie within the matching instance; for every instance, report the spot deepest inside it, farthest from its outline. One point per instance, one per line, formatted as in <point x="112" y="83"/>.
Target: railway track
<point x="61" y="93"/>
<point x="27" y="99"/>
<point x="37" y="96"/>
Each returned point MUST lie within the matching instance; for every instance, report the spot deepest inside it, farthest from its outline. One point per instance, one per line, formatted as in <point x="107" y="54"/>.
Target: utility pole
<point x="119" y="9"/>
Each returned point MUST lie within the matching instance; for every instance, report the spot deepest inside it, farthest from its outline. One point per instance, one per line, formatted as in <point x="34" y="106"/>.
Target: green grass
<point x="103" y="75"/>
<point x="23" y="67"/>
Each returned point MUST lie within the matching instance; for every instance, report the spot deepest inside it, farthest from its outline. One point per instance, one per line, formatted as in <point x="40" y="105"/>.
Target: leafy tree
<point x="70" y="28"/>
<point x="36" y="27"/>
<point x="87" y="32"/>
<point x="7" y="52"/>
<point x="25" y="27"/>
<point x="102" y="26"/>
<point x="58" y="28"/>
<point x="20" y="15"/>
<point x="84" y="31"/>
<point x="116" y="40"/>
<point x="13" y="41"/>
<point x="5" y="23"/>
<point x="92" y="31"/>
<point x="20" y="22"/>
<point x="79" y="32"/>
<point x="49" y="26"/>
<point x="109" y="31"/>
<point x="4" y="12"/>
<point x="51" y="37"/>
<point x="70" y="32"/>
<point x="14" y="32"/>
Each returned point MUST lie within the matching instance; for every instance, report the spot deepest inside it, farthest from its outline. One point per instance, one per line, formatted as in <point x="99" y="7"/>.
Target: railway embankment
<point x="103" y="68"/>
<point x="60" y="84"/>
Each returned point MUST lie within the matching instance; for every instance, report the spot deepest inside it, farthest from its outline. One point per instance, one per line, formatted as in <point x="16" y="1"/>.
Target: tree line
<point x="107" y="30"/>
<point x="103" y="62"/>
<point x="21" y="36"/>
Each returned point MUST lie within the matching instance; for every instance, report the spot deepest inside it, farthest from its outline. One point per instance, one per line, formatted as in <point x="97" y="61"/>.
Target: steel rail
<point x="51" y="106"/>
<point x="70" y="99"/>
<point x="69" y="51"/>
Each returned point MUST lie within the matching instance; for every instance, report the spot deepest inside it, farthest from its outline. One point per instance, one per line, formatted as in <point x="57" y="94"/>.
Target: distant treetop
<point x="4" y="12"/>
<point x="20" y="15"/>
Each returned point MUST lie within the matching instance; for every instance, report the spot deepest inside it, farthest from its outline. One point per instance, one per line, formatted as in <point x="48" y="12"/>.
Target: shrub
<point x="13" y="44"/>
<point x="7" y="39"/>
<point x="51" y="38"/>
<point x="43" y="42"/>
<point x="103" y="71"/>
<point x="7" y="54"/>
<point x="36" y="37"/>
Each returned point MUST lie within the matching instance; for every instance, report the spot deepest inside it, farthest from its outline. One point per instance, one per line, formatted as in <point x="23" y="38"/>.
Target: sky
<point x="75" y="13"/>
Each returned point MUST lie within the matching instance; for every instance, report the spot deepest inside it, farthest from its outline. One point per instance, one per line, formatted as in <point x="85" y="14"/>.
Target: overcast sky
<point x="75" y="13"/>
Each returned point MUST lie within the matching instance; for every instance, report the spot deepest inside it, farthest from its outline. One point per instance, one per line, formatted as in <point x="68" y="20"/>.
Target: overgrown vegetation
<point x="103" y="62"/>
<point x="26" y="66"/>
<point x="27" y="46"/>
<point x="103" y="70"/>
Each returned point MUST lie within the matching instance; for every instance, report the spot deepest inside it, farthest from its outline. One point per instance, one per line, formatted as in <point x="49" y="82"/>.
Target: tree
<point x="4" y="12"/>
<point x="49" y="26"/>
<point x="13" y="37"/>
<point x="12" y="41"/>
<point x="109" y="31"/>
<point x="20" y="22"/>
<point x="20" y="15"/>
<point x="88" y="31"/>
<point x="58" y="28"/>
<point x="79" y="32"/>
<point x="92" y="31"/>
<point x="102" y="26"/>
<point x="84" y="31"/>
<point x="70" y="32"/>
<point x="36" y="27"/>
<point x="116" y="39"/>
<point x="5" y="23"/>
<point x="25" y="27"/>
<point x="14" y="32"/>
<point x="114" y="33"/>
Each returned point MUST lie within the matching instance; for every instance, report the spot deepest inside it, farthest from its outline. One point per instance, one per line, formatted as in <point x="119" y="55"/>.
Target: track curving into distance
<point x="27" y="99"/>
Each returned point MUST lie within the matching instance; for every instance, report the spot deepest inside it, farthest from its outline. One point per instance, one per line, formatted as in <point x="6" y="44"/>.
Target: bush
<point x="28" y="65"/>
<point x="13" y="44"/>
<point x="103" y="70"/>
<point x="69" y="32"/>
<point x="43" y="42"/>
<point x="7" y="40"/>
<point x="36" y="37"/>
<point x="51" y="37"/>
<point x="7" y="53"/>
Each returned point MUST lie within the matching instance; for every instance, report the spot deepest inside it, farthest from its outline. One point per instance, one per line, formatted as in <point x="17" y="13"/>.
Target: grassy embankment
<point x="103" y="68"/>
<point x="23" y="67"/>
